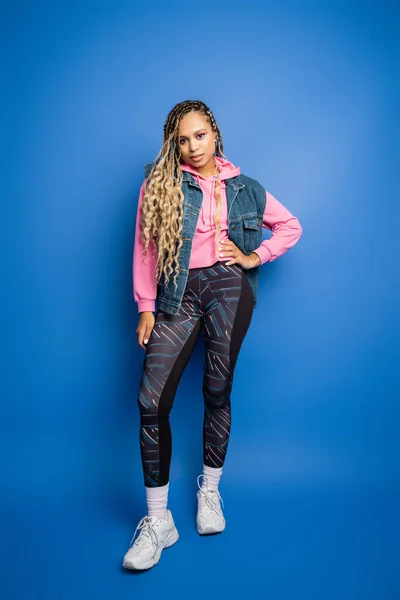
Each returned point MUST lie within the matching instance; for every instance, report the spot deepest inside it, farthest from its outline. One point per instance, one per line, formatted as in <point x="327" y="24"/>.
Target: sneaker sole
<point x="170" y="540"/>
<point x="209" y="530"/>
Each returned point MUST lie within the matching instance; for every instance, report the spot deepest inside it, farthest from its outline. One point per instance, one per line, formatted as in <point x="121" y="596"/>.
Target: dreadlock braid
<point x="162" y="208"/>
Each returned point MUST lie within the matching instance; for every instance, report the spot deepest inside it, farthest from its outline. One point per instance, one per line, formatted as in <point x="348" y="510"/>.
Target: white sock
<point x="157" y="500"/>
<point x="212" y="477"/>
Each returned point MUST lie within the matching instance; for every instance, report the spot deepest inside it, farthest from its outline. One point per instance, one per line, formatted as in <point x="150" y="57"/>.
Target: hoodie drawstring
<point x="211" y="201"/>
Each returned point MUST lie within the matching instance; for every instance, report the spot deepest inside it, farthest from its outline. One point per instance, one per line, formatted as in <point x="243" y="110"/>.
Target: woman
<point x="197" y="251"/>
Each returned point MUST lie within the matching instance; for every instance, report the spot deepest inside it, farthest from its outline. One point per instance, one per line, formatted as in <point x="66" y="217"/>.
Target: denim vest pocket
<point x="251" y="226"/>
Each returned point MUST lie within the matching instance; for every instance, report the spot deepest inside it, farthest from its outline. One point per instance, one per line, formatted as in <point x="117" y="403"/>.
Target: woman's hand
<point x="145" y="327"/>
<point x="229" y="249"/>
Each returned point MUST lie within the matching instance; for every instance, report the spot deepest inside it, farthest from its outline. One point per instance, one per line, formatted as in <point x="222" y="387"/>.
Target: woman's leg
<point x="170" y="345"/>
<point x="169" y="348"/>
<point x="227" y="301"/>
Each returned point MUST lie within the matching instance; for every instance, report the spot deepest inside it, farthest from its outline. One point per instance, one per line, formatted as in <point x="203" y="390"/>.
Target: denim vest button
<point x="233" y="226"/>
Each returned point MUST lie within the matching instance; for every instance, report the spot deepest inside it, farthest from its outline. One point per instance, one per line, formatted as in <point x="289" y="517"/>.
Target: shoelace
<point x="148" y="532"/>
<point x="207" y="497"/>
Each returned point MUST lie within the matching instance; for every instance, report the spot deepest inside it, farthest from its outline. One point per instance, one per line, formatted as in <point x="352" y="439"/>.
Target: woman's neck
<point x="210" y="169"/>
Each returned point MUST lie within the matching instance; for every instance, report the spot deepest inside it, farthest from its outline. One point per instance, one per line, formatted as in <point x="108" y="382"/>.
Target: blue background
<point x="306" y="97"/>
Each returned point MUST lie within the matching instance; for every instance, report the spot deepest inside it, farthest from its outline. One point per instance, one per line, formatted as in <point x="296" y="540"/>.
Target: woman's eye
<point x="199" y="135"/>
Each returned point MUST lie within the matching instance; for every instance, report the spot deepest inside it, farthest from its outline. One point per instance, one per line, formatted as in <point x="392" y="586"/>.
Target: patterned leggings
<point x="219" y="301"/>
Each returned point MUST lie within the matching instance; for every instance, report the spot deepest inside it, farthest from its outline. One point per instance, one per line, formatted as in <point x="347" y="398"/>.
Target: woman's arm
<point x="285" y="227"/>
<point x="144" y="278"/>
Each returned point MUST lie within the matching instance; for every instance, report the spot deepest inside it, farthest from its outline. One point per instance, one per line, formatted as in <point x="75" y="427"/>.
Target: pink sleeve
<point x="285" y="227"/>
<point x="144" y="278"/>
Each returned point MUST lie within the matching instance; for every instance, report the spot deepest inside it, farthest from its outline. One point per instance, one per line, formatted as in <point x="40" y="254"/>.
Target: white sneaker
<point x="210" y="518"/>
<point x="156" y="534"/>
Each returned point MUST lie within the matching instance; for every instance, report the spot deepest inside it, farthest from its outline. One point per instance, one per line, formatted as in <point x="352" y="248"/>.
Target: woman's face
<point x="197" y="142"/>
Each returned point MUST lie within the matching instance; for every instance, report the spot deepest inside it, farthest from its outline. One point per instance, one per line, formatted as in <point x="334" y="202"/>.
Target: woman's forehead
<point x="192" y="122"/>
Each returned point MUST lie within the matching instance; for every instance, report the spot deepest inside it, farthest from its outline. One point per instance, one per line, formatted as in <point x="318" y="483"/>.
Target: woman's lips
<point x="197" y="158"/>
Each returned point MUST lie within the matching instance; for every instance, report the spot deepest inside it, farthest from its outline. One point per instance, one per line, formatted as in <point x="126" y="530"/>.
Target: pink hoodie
<point x="285" y="227"/>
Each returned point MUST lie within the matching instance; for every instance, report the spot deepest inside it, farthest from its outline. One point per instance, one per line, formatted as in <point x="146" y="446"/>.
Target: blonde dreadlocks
<point x="162" y="213"/>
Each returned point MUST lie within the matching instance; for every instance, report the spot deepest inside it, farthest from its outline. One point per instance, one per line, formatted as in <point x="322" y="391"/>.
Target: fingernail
<point x="145" y="341"/>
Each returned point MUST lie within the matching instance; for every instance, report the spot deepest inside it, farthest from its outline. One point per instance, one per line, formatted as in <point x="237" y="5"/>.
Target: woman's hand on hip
<point x="145" y="327"/>
<point x="230" y="253"/>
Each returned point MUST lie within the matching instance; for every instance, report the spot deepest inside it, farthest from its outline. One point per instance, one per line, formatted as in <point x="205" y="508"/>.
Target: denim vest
<point x="246" y="200"/>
